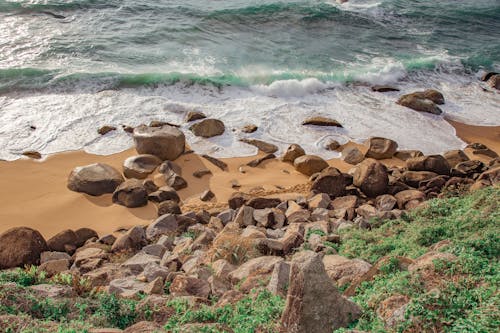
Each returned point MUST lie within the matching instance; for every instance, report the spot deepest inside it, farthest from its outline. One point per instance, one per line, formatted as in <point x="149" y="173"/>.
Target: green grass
<point x="458" y="296"/>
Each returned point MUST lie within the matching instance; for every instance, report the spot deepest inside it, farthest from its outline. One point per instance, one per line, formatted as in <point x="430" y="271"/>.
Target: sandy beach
<point x="33" y="193"/>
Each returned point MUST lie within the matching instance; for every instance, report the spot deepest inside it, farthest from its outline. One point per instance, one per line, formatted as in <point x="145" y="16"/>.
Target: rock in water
<point x="208" y="128"/>
<point x="194" y="115"/>
<point x="371" y="177"/>
<point x="267" y="148"/>
<point x="321" y="121"/>
<point x="313" y="303"/>
<point x="131" y="194"/>
<point x="381" y="148"/>
<point x="106" y="129"/>
<point x="140" y="166"/>
<point x="21" y="246"/>
<point x="166" y="142"/>
<point x="309" y="164"/>
<point x="422" y="101"/>
<point x="494" y="81"/>
<point x="94" y="179"/>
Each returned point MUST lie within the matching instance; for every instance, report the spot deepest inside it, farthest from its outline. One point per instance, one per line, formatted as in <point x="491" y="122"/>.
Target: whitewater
<point x="68" y="68"/>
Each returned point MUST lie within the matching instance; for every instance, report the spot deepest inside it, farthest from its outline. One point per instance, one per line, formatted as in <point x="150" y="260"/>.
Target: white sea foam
<point x="70" y="121"/>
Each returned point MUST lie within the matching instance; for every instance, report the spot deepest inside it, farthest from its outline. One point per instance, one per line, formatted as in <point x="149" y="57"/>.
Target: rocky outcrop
<point x="381" y="148"/>
<point x="140" y="166"/>
<point x="321" y="121"/>
<point x="166" y="142"/>
<point x="94" y="179"/>
<point x="208" y="128"/>
<point x="371" y="177"/>
<point x="313" y="303"/>
<point x="131" y="194"/>
<point x="309" y="164"/>
<point x="21" y="246"/>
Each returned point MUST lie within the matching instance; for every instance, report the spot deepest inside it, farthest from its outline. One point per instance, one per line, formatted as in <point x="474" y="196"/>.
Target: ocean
<point x="70" y="67"/>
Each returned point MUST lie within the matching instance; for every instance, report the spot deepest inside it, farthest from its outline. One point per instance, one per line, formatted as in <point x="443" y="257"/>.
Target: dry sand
<point x="34" y="193"/>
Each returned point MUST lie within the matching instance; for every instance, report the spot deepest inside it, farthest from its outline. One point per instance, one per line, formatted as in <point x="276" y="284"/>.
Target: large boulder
<point x="64" y="241"/>
<point x="432" y="163"/>
<point x="309" y="164"/>
<point x="292" y="153"/>
<point x="140" y="166"/>
<point x="166" y="142"/>
<point x="131" y="194"/>
<point x="422" y="102"/>
<point x="371" y="177"/>
<point x="94" y="179"/>
<point x="330" y="181"/>
<point x="455" y="156"/>
<point x="21" y="246"/>
<point x="208" y="128"/>
<point x="313" y="303"/>
<point x="413" y="178"/>
<point x="381" y="148"/>
<point x="343" y="270"/>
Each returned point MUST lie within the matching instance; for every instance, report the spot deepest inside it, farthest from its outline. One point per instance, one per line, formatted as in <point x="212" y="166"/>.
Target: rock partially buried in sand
<point x="321" y="121"/>
<point x="309" y="164"/>
<point x="292" y="153"/>
<point x="423" y="101"/>
<point x="140" y="166"/>
<point x="21" y="246"/>
<point x="218" y="163"/>
<point x="267" y="148"/>
<point x="371" y="177"/>
<point x="166" y="142"/>
<point x="32" y="154"/>
<point x="208" y="128"/>
<point x="381" y="148"/>
<point x="94" y="179"/>
<point x="131" y="194"/>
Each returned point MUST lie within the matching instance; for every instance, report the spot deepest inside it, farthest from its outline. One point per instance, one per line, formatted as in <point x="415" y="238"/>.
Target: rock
<point x="194" y="115"/>
<point x="371" y="177"/>
<point x="150" y="186"/>
<point x="106" y="129"/>
<point x="330" y="181"/>
<point x="138" y="262"/>
<point x="128" y="129"/>
<point x="153" y="271"/>
<point x="486" y="152"/>
<point x="157" y="250"/>
<point x="321" y="121"/>
<point x="295" y="213"/>
<point x="249" y="128"/>
<point x="127" y="287"/>
<point x="134" y="239"/>
<point x="238" y="199"/>
<point x="54" y="267"/>
<point x="269" y="218"/>
<point x="32" y="154"/>
<point x="131" y="194"/>
<point x="261" y="203"/>
<point x="381" y="148"/>
<point x="468" y="168"/>
<point x="175" y="181"/>
<point x="263" y="265"/>
<point x="427" y="260"/>
<point x="21" y="246"/>
<point x="418" y="102"/>
<point x="381" y="88"/>
<point x="265" y="147"/>
<point x="407" y="154"/>
<point x="207" y="195"/>
<point x="486" y="76"/>
<point x="409" y="198"/>
<point x="208" y="128"/>
<point x="144" y="327"/>
<point x="433" y="163"/>
<point x="169" y="207"/>
<point x="244" y="217"/>
<point x="201" y="172"/>
<point x="218" y="163"/>
<point x="494" y="81"/>
<point x="140" y="166"/>
<point x="343" y="270"/>
<point x="331" y="144"/>
<point x="52" y="256"/>
<point x="258" y="161"/>
<point x="309" y="164"/>
<point x="321" y="200"/>
<point x="413" y="178"/>
<point x="169" y="166"/>
<point x="453" y="157"/>
<point x="386" y="202"/>
<point x="94" y="179"/>
<point x="51" y="291"/>
<point x="352" y="155"/>
<point x="183" y="285"/>
<point x="279" y="279"/>
<point x="83" y="235"/>
<point x="89" y="259"/>
<point x="166" y="142"/>
<point x="63" y="241"/>
<point x="164" y="193"/>
<point x="487" y="178"/>
<point x="313" y="303"/>
<point x="392" y="310"/>
<point x="292" y="153"/>
<point x="164" y="225"/>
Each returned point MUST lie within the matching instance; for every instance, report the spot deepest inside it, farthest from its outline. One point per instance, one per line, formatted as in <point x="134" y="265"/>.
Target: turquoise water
<point x="67" y="67"/>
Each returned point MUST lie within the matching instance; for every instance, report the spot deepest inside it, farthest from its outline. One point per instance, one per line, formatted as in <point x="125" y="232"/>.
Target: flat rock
<point x="321" y="121"/>
<point x="140" y="166"/>
<point x="218" y="163"/>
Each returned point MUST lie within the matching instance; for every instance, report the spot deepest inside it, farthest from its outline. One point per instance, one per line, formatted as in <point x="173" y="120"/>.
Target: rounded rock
<point x="94" y="179"/>
<point x="166" y="142"/>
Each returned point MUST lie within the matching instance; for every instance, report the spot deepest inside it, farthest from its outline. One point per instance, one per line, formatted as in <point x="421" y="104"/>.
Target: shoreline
<point x="34" y="194"/>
